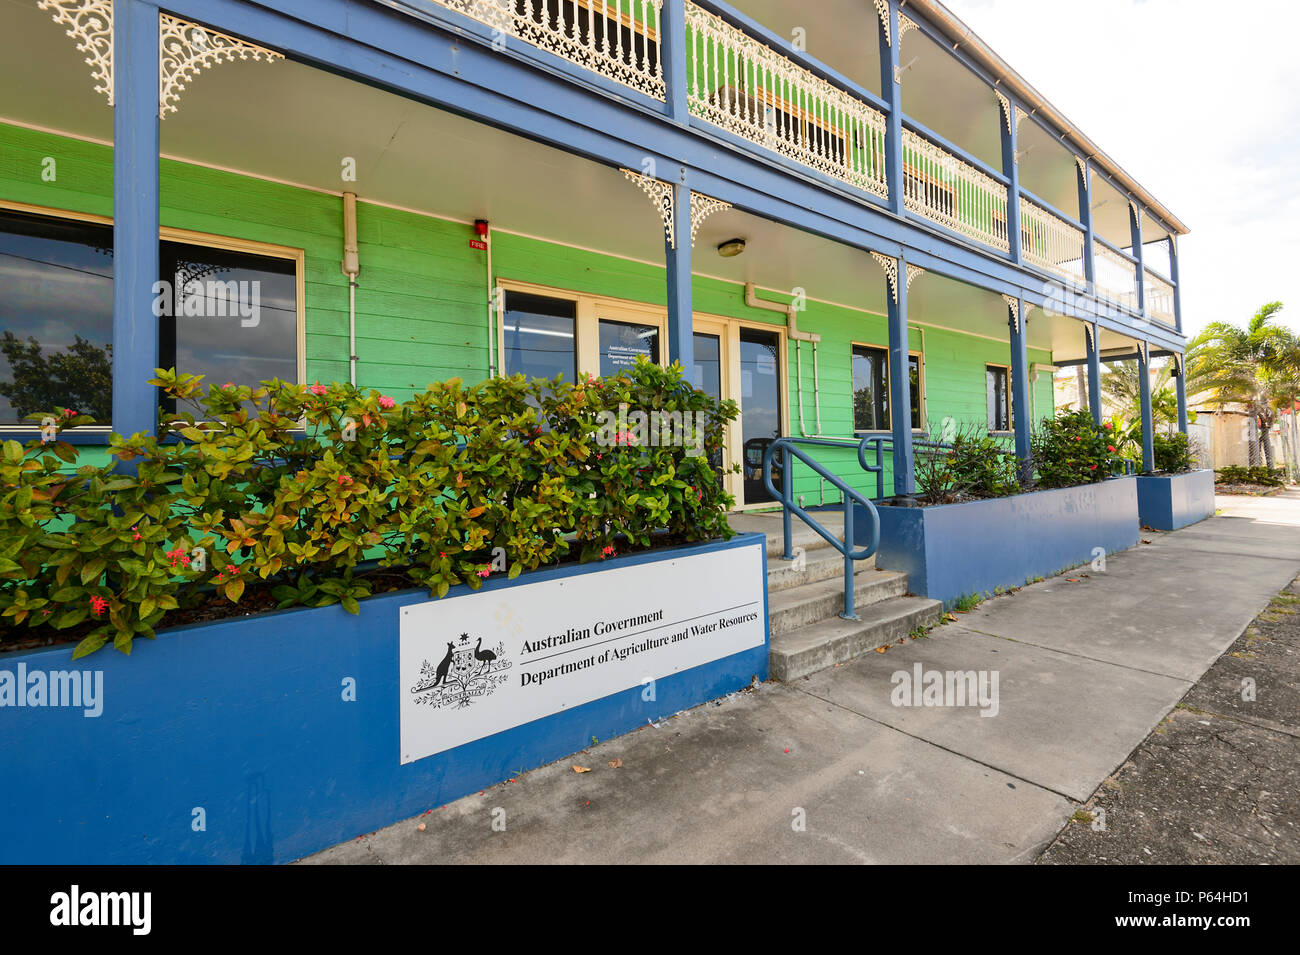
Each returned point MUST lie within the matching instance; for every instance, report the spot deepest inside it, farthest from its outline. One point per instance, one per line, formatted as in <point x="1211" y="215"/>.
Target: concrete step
<point x="828" y="642"/>
<point x="822" y="564"/>
<point x="769" y="523"/>
<point x="788" y="610"/>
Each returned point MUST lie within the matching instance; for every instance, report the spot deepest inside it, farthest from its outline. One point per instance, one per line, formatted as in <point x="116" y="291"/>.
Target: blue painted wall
<point x="245" y="718"/>
<point x="1167" y="502"/>
<point x="973" y="548"/>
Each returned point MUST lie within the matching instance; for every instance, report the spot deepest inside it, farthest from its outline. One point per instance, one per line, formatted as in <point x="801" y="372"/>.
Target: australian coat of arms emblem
<point x="464" y="674"/>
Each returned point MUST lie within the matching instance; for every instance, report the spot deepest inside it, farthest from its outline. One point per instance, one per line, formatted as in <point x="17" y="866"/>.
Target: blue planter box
<point x="233" y="741"/>
<point x="954" y="550"/>
<point x="1167" y="502"/>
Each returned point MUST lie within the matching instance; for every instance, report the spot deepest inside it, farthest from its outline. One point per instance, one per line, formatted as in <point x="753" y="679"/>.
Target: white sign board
<point x="481" y="663"/>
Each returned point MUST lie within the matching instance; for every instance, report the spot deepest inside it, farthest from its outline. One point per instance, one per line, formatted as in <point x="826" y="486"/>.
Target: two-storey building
<point x="852" y="217"/>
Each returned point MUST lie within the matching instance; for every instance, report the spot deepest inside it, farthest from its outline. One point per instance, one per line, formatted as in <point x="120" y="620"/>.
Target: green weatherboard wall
<point x="421" y="301"/>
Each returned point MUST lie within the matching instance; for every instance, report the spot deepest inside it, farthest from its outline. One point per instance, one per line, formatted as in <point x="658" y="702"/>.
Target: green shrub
<point x="1171" y="452"/>
<point x="972" y="464"/>
<point x="1071" y="449"/>
<point x="1255" y="474"/>
<point x="286" y="489"/>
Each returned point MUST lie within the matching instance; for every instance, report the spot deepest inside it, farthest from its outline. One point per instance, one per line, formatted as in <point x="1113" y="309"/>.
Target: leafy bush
<point x="972" y="464"/>
<point x="1171" y="452"/>
<point x="284" y="490"/>
<point x="1071" y="449"/>
<point x="1255" y="474"/>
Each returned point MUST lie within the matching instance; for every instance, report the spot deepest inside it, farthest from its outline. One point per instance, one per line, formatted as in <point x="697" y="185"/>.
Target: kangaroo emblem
<point x="443" y="667"/>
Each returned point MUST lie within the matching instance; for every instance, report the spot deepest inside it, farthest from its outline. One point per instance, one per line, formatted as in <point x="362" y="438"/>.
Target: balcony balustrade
<point x="747" y="88"/>
<point x="952" y="192"/>
<point x="618" y="40"/>
<point x="1051" y="243"/>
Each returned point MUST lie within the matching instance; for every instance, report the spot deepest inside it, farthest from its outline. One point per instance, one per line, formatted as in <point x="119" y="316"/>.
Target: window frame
<point x="1011" y="424"/>
<point x="590" y="310"/>
<point x="919" y="354"/>
<point x="188" y="237"/>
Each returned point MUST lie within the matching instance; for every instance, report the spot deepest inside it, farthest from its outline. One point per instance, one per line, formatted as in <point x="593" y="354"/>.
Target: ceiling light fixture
<point x="731" y="248"/>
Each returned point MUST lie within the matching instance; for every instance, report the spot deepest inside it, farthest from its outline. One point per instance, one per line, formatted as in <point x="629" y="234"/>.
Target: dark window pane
<point x="996" y="388"/>
<point x="229" y="316"/>
<point x="914" y="377"/>
<point x="870" y="391"/>
<point x="539" y="336"/>
<point x="622" y="342"/>
<point x="56" y="309"/>
<point x="707" y="376"/>
<point x="760" y="407"/>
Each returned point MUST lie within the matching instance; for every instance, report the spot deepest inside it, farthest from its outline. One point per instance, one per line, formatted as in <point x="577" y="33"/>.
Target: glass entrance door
<point x="760" y="408"/>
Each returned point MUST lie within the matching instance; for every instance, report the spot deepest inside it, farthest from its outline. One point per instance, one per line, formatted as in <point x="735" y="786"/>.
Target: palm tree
<point x="1122" y="385"/>
<point x="1257" y="367"/>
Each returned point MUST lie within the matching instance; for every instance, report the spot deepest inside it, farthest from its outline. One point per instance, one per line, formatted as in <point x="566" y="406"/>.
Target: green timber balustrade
<point x="788" y="449"/>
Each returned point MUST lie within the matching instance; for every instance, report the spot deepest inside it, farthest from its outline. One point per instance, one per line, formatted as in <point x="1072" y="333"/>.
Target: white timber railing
<point x="953" y="193"/>
<point x="618" y="39"/>
<point x="1159" y="297"/>
<point x="1051" y="243"/>
<point x="748" y="89"/>
<point x="1115" y="275"/>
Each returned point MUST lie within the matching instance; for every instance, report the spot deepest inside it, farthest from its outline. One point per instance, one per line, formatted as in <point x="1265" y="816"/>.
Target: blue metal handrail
<point x="787" y="448"/>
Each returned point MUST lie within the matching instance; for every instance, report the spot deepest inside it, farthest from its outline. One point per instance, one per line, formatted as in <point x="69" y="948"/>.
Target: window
<point x="545" y="332"/>
<point x="621" y="343"/>
<point x="540" y="336"/>
<point x="997" y="380"/>
<point x="871" y="388"/>
<point x="56" y="310"/>
<point x="228" y="314"/>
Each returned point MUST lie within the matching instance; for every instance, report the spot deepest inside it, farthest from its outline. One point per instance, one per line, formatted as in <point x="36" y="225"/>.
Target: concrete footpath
<point x="829" y="769"/>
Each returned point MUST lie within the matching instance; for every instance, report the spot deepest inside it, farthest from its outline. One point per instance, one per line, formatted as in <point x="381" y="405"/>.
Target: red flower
<point x="1092" y="467"/>
<point x="136" y="535"/>
<point x="319" y="389"/>
<point x="386" y="402"/>
<point x="344" y="480"/>
<point x="1110" y="448"/>
<point x="98" y="605"/>
<point x="485" y="571"/>
<point x="608" y="551"/>
<point x="1108" y="426"/>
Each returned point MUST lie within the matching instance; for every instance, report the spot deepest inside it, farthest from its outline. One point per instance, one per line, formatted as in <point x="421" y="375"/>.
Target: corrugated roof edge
<point x="963" y="36"/>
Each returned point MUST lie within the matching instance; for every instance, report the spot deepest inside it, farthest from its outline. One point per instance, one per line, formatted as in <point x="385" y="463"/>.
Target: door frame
<point x="728" y="331"/>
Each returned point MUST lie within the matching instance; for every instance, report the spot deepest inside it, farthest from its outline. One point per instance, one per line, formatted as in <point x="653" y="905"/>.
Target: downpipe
<point x="351" y="267"/>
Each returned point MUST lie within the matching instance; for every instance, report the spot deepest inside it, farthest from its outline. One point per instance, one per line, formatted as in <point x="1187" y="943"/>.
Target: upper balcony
<point x="804" y="83"/>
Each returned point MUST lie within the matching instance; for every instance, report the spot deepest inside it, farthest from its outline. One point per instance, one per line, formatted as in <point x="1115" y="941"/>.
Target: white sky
<point x="1200" y="103"/>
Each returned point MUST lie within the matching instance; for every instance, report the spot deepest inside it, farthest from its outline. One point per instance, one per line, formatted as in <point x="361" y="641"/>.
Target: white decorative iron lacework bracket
<point x="1144" y="347"/>
<point x="185" y="49"/>
<point x="882" y="8"/>
<point x="912" y="273"/>
<point x="1177" y="370"/>
<point x="890" y="265"/>
<point x="702" y="207"/>
<point x="1013" y="304"/>
<point x="1006" y="108"/>
<point x="90" y="23"/>
<point x="1083" y="169"/>
<point x="1089" y="335"/>
<point x="661" y="196"/>
<point x="905" y="23"/>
